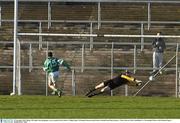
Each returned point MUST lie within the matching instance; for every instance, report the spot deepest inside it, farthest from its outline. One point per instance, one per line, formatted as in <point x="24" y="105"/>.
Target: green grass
<point x="81" y="107"/>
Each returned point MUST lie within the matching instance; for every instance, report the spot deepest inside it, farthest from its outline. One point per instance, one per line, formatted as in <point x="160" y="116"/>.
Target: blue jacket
<point x="159" y="45"/>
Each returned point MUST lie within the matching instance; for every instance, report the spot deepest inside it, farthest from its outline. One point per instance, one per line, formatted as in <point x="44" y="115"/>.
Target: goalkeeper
<point x="51" y="66"/>
<point x="122" y="79"/>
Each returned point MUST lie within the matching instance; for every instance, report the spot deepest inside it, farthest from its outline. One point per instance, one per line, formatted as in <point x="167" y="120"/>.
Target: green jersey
<point x="52" y="64"/>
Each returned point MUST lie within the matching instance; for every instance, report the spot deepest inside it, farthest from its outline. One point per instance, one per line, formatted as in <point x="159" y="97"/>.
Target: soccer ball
<point x="151" y="78"/>
<point x="11" y="94"/>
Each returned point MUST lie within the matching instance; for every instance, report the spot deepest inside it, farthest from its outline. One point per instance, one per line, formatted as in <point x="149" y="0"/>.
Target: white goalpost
<point x="106" y="35"/>
<point x="16" y="55"/>
<point x="17" y="82"/>
<point x="18" y="76"/>
<point x="17" y="70"/>
<point x="98" y="35"/>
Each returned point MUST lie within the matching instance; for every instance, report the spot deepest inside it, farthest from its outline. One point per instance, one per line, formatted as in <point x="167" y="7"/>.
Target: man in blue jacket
<point x="158" y="46"/>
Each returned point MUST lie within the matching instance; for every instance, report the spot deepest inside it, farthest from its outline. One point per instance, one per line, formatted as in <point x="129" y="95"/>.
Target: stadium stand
<point x="100" y="57"/>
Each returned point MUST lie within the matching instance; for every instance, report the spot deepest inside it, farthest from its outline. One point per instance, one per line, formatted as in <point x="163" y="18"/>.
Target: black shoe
<point x="90" y="91"/>
<point x="59" y="93"/>
<point x="94" y="94"/>
<point x="91" y="95"/>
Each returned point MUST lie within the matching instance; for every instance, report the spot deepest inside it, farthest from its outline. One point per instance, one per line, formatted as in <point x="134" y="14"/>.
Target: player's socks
<point x="53" y="93"/>
<point x="94" y="94"/>
<point x="90" y="91"/>
<point x="59" y="92"/>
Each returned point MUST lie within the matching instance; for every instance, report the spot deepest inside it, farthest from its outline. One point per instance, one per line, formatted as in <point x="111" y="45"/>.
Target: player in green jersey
<point x="51" y="66"/>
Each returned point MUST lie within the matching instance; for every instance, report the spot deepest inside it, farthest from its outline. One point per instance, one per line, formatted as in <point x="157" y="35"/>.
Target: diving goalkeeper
<point x="121" y="79"/>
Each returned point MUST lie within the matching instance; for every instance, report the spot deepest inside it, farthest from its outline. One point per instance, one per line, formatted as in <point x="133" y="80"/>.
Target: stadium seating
<point x="34" y="82"/>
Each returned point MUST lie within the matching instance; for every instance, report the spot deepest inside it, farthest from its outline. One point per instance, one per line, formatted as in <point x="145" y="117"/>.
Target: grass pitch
<point x="99" y="107"/>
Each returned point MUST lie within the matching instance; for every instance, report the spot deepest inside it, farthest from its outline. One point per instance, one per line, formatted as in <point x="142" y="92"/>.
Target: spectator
<point x="158" y="50"/>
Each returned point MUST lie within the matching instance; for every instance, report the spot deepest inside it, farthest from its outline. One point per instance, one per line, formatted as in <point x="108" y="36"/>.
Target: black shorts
<point x="116" y="82"/>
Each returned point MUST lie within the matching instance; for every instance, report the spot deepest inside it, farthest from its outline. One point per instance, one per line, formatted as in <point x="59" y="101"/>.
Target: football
<point x="151" y="78"/>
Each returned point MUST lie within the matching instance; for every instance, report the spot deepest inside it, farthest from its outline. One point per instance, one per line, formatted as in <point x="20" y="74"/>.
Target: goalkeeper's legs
<point x="90" y="91"/>
<point x="101" y="85"/>
<point x="94" y="94"/>
<point x="101" y="91"/>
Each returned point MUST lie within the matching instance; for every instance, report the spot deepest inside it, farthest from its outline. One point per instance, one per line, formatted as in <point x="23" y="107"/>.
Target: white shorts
<point x="53" y="77"/>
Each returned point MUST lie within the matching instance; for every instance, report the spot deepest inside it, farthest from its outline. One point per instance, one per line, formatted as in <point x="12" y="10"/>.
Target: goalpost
<point x="17" y="70"/>
<point x="177" y="90"/>
<point x="17" y="55"/>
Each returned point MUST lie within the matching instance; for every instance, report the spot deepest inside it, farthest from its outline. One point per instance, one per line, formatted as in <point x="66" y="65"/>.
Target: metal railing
<point x="91" y="35"/>
<point x="111" y="67"/>
<point x="92" y="1"/>
<point x="99" y="19"/>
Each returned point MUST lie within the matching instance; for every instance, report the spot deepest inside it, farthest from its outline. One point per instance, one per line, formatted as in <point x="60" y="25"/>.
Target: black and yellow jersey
<point x="120" y="80"/>
<point x="131" y="81"/>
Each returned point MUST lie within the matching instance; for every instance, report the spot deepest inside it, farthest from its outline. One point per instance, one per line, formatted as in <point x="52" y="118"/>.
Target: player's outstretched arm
<point x="45" y="66"/>
<point x="65" y="64"/>
<point x="138" y="82"/>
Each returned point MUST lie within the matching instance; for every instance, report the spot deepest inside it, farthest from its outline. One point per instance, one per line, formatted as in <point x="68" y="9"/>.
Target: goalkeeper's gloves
<point x="138" y="82"/>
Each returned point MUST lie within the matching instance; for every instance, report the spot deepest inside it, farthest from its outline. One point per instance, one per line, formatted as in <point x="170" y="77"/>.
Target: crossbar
<point x="97" y="35"/>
